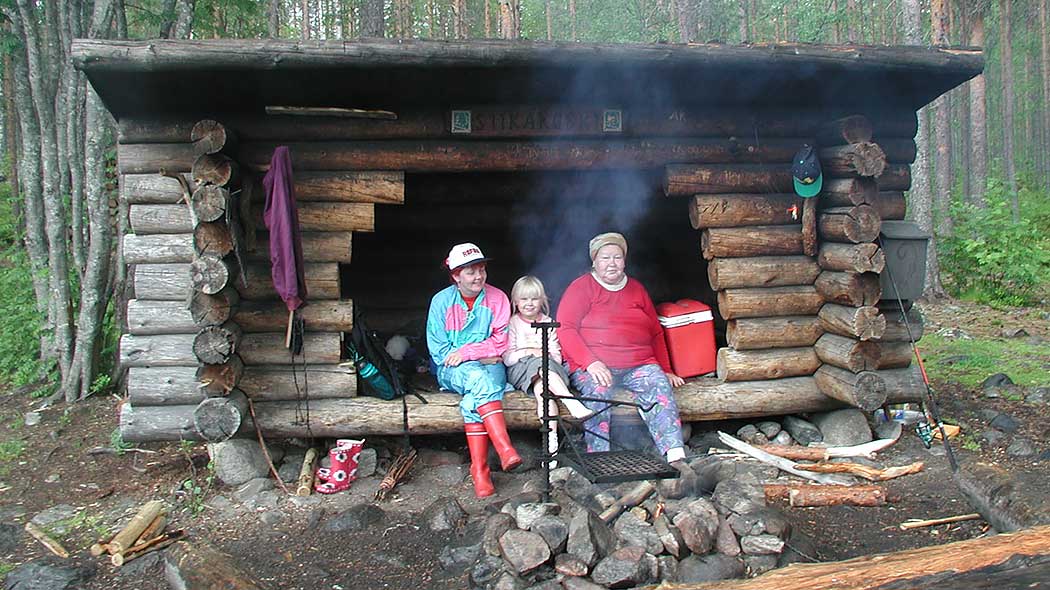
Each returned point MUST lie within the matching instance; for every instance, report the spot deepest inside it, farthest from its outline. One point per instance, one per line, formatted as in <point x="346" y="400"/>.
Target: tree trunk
<point x="978" y="119"/>
<point x="572" y="19"/>
<point x="550" y="19"/>
<point x="273" y="19"/>
<point x="1006" y="66"/>
<point x="687" y="25"/>
<point x="372" y="24"/>
<point x="1044" y="60"/>
<point x="183" y="19"/>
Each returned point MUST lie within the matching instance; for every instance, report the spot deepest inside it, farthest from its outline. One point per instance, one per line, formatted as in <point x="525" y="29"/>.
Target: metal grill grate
<point x="618" y="466"/>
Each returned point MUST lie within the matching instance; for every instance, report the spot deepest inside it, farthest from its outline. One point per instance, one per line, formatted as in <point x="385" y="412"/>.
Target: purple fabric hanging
<point x="282" y="219"/>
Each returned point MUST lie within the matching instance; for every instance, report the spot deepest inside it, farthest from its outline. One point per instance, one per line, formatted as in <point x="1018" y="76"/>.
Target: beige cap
<point x="600" y="240"/>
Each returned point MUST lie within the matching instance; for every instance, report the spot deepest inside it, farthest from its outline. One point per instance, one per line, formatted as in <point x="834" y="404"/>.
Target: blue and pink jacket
<point x="478" y="333"/>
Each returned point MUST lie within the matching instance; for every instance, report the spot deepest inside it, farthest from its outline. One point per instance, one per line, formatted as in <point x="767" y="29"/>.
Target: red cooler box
<point x="690" y="332"/>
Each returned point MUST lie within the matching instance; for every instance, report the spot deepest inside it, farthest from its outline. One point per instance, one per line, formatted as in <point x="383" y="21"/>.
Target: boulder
<point x="623" y="568"/>
<point x="802" y="431"/>
<point x="633" y="531"/>
<point x="524" y="550"/>
<point x="237" y="461"/>
<point x="554" y="531"/>
<point x="709" y="568"/>
<point x="444" y="514"/>
<point x="843" y="428"/>
<point x="355" y="518"/>
<point x="590" y="539"/>
<point x="761" y="544"/>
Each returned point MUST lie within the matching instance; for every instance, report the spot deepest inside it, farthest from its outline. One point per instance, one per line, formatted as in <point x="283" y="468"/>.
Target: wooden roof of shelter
<point x="137" y="78"/>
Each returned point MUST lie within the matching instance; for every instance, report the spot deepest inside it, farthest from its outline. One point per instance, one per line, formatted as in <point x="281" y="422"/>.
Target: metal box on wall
<point x="904" y="245"/>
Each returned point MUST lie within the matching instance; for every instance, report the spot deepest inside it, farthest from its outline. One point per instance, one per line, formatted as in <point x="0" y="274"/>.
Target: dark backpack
<point x="377" y="373"/>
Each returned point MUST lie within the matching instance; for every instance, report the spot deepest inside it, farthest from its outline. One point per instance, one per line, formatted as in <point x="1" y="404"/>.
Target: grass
<point x="6" y="567"/>
<point x="10" y="450"/>
<point x="1026" y="364"/>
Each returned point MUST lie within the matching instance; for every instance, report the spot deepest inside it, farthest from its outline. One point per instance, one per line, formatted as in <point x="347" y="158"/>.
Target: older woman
<point x="466" y="336"/>
<point x="610" y="337"/>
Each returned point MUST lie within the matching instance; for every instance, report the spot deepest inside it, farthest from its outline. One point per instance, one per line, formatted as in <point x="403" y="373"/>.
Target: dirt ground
<point x="62" y="460"/>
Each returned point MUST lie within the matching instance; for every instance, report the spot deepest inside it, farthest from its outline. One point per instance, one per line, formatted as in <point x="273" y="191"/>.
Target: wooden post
<point x="864" y="390"/>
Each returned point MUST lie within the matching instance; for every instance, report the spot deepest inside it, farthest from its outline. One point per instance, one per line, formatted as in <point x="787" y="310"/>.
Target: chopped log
<point x="778" y="462"/>
<point x="317" y="247"/>
<point x="847" y="192"/>
<point x="769" y="302"/>
<point x="214" y="169"/>
<point x="894" y="355"/>
<point x="159" y="317"/>
<point x="902" y="328"/>
<point x="776" y="363"/>
<point x="209" y="202"/>
<point x="215" y="345"/>
<point x="332" y="217"/>
<point x="632" y="498"/>
<point x="160" y="219"/>
<point x="154" y="544"/>
<point x="847" y="288"/>
<point x="160" y="281"/>
<point x="201" y="565"/>
<point x="496" y="156"/>
<point x="864" y="390"/>
<point x="213" y="238"/>
<point x="154" y="423"/>
<point x="759" y="240"/>
<point x="151" y="158"/>
<point x="46" y="540"/>
<point x="776" y="332"/>
<point x="868" y="473"/>
<point x="858" y="159"/>
<point x="322" y="281"/>
<point x="219" y="379"/>
<point x="809" y="495"/>
<point x="896" y="177"/>
<point x="154" y="529"/>
<point x="269" y="349"/>
<point x="904" y="385"/>
<point x="851" y="129"/>
<point x="322" y="185"/>
<point x="210" y="274"/>
<point x="798" y="453"/>
<point x="847" y="353"/>
<point x="761" y="271"/>
<point x="305" y="485"/>
<point x="863" y="323"/>
<point x="891" y="205"/>
<point x="159" y="248"/>
<point x="809" y="226"/>
<point x="318" y="315"/>
<point x="856" y="225"/>
<point x="217" y="419"/>
<point x="689" y="179"/>
<point x="744" y="209"/>
<point x="163" y="386"/>
<point x="212" y="137"/>
<point x="213" y="310"/>
<point x="295" y="383"/>
<point x="162" y="350"/>
<point x="127" y="536"/>
<point x="855" y="258"/>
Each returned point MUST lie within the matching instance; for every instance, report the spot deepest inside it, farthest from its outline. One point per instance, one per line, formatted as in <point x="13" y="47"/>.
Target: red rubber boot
<point x="492" y="416"/>
<point x="478" y="445"/>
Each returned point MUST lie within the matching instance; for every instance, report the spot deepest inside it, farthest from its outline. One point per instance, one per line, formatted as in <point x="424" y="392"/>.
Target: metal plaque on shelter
<point x="612" y="121"/>
<point x="460" y="121"/>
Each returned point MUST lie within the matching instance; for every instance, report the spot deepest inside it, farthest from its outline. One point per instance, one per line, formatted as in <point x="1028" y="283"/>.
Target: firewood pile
<point x="143" y="534"/>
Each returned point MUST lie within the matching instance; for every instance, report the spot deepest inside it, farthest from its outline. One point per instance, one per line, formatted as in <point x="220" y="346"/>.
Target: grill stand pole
<point x="546" y="397"/>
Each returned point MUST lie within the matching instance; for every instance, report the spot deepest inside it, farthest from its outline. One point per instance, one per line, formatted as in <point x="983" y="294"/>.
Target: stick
<point x="779" y="462"/>
<point x="331" y="112"/>
<point x="632" y="498"/>
<point x="127" y="536"/>
<point x="265" y="451"/>
<point x="306" y="473"/>
<point x="99" y="548"/>
<point x="155" y="528"/>
<point x="288" y="331"/>
<point x="800" y="495"/>
<point x="915" y="523"/>
<point x="866" y="450"/>
<point x="869" y="473"/>
<point x="398" y="470"/>
<point x="52" y="545"/>
<point x="119" y="559"/>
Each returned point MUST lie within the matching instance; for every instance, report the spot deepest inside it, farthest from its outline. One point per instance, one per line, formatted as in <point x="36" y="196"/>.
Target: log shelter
<point x="403" y="148"/>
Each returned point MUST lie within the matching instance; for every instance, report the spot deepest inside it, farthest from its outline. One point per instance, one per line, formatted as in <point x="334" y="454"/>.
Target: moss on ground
<point x="970" y="360"/>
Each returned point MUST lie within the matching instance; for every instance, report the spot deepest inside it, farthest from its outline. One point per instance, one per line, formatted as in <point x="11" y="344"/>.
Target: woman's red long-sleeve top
<point x="618" y="328"/>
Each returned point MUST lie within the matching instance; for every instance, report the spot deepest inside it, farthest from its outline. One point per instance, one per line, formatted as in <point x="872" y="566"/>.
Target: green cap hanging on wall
<point x="805" y="172"/>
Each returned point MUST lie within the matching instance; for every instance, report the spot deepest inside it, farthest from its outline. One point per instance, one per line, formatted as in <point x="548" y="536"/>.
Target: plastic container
<point x="690" y="334"/>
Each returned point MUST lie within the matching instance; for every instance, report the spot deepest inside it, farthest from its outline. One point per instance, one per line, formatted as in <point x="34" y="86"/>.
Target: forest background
<point x="981" y="178"/>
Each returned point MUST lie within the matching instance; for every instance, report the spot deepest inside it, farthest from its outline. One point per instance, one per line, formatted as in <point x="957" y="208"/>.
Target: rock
<point x="458" y="558"/>
<point x="695" y="532"/>
<point x="623" y="568"/>
<point x="709" y="568"/>
<point x="803" y="432"/>
<point x="53" y="478"/>
<point x="264" y="500"/>
<point x="889" y="430"/>
<point x="1038" y="395"/>
<point x="355" y="518"/>
<point x="799" y="549"/>
<point x="1005" y="423"/>
<point x="10" y="538"/>
<point x="756" y="565"/>
<point x="746" y="432"/>
<point x="771" y="521"/>
<point x="1013" y="333"/>
<point x="271" y="517"/>
<point x="552" y="584"/>
<point x="560" y="475"/>
<point x="954" y="359"/>
<point x="843" y="428"/>
<point x="221" y="505"/>
<point x="996" y="380"/>
<point x="435" y="457"/>
<point x="486" y="570"/>
<point x="993" y="393"/>
<point x="510" y="505"/>
<point x="150" y="564"/>
<point x="237" y="461"/>
<point x="528" y="513"/>
<point x="524" y="550"/>
<point x="769" y="428"/>
<point x="590" y="539"/>
<point x="444" y="514"/>
<point x="389" y="559"/>
<point x="32" y="418"/>
<point x="305" y="501"/>
<point x="574" y="583"/>
<point x="783" y="438"/>
<point x="666" y="568"/>
<point x="991" y="437"/>
<point x="761" y="544"/>
<point x="583" y="491"/>
<point x="41" y="575"/>
<point x="508" y="581"/>
<point x="495" y="526"/>
<point x="987" y="414"/>
<point x="56" y="519"/>
<point x="633" y="531"/>
<point x="366" y="463"/>
<point x="705" y="510"/>
<point x="725" y="540"/>
<point x="670" y="537"/>
<point x="738" y="496"/>
<point x="277" y="453"/>
<point x="289" y="469"/>
<point x="252" y="488"/>
<point x="1021" y="447"/>
<point x="745" y="524"/>
<point x="554" y="531"/>
<point x="570" y="565"/>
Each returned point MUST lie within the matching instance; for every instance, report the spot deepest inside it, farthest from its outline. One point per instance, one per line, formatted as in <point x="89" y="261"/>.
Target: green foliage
<point x="6" y="567"/>
<point x="974" y="359"/>
<point x="117" y="442"/>
<point x="993" y="260"/>
<point x="10" y="451"/>
<point x="19" y="319"/>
